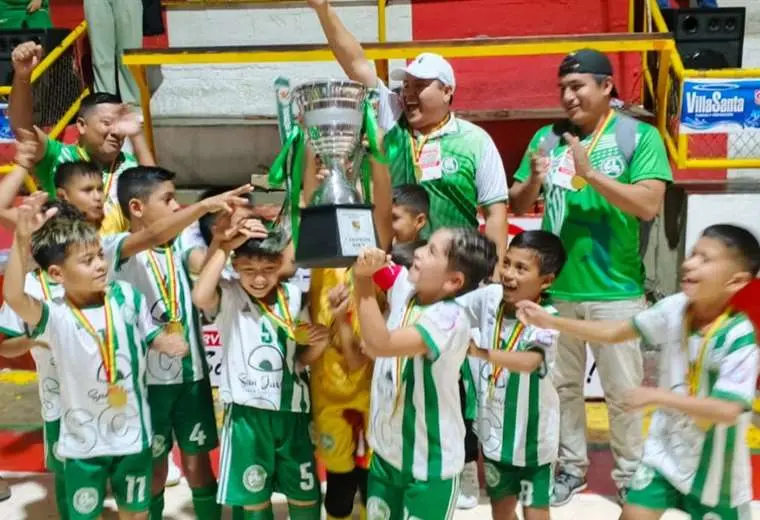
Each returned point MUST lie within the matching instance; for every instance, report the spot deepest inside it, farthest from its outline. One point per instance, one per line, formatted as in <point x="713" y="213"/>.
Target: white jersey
<point x="138" y="270"/>
<point x="712" y="466"/>
<point x="12" y="325"/>
<point x="416" y="418"/>
<point x="259" y="367"/>
<point x="90" y="427"/>
<point x="518" y="413"/>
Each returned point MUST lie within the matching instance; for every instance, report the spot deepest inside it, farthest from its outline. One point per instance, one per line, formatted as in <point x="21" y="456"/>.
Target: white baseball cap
<point x="427" y="66"/>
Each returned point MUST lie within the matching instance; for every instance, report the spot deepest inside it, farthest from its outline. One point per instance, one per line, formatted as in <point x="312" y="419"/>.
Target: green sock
<point x="264" y="514"/>
<point x="204" y="502"/>
<point x="60" y="497"/>
<point x="237" y="513"/>
<point x="157" y="506"/>
<point x="312" y="512"/>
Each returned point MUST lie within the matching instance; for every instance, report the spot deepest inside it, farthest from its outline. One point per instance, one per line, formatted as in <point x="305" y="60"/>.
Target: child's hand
<point x="228" y="200"/>
<point x="319" y="336"/>
<point x="531" y="313"/>
<point x="171" y="344"/>
<point x="27" y="146"/>
<point x="370" y="261"/>
<point x="31" y="217"/>
<point x="640" y="397"/>
<point x="339" y="299"/>
<point x="474" y="351"/>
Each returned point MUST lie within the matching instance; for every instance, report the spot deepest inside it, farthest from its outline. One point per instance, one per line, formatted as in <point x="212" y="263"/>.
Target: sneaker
<point x="5" y="490"/>
<point x="174" y="475"/>
<point x="565" y="487"/>
<point x="469" y="487"/>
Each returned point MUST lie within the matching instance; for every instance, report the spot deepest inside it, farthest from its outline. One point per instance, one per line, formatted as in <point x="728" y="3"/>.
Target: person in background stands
<point x="114" y="26"/>
<point x="24" y="14"/>
<point x="601" y="172"/>
<point x="455" y="161"/>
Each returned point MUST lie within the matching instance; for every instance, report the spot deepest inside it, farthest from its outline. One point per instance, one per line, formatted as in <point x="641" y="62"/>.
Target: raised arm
<point x="25" y="58"/>
<point x="26" y="151"/>
<point x="344" y="45"/>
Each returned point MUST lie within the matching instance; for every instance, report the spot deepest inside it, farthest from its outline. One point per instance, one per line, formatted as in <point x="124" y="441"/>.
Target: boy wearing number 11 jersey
<point x="98" y="333"/>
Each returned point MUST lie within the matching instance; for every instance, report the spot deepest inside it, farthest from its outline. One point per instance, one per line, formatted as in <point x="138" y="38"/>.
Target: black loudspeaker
<point x="10" y="38"/>
<point x="708" y="38"/>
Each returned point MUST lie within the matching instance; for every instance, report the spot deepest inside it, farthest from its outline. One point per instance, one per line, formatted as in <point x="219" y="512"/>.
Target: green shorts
<point x="391" y="495"/>
<point x="265" y="451"/>
<point x="51" y="430"/>
<point x="184" y="411"/>
<point x="650" y="490"/>
<point x="531" y="485"/>
<point x="130" y="477"/>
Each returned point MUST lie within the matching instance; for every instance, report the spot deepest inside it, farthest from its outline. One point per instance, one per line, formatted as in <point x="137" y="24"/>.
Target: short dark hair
<point x="472" y="254"/>
<point x="139" y="182"/>
<point x="70" y="170"/>
<point x="547" y="247"/>
<point x="259" y="249"/>
<point x="206" y="222"/>
<point x="403" y="254"/>
<point x="54" y="240"/>
<point x="98" y="98"/>
<point x="412" y="197"/>
<point x="740" y="241"/>
<point x="65" y="211"/>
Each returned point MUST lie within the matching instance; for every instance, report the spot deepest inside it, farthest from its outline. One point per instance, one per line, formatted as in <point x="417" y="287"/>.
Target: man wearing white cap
<point x="454" y="160"/>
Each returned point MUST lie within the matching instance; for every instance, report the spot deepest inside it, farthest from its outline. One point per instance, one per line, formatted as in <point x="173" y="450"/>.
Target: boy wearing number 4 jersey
<point x="695" y="457"/>
<point x="266" y="445"/>
<point x="518" y="407"/>
<point x="99" y="333"/>
<point x="179" y="391"/>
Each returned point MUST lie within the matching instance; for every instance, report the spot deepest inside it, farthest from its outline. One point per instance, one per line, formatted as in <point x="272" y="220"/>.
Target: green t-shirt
<point x="602" y="242"/>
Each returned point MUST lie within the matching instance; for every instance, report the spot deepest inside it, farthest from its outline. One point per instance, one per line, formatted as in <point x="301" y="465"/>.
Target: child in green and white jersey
<point x="518" y="407"/>
<point x="99" y="334"/>
<point x="696" y="457"/>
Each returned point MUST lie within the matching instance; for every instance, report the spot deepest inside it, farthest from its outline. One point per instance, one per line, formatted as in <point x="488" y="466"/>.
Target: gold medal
<point x="301" y="333"/>
<point x="175" y="327"/>
<point x="117" y="396"/>
<point x="578" y="182"/>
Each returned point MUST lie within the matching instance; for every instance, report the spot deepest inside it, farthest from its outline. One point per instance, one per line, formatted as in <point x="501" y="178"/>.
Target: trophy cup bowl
<point x="337" y="222"/>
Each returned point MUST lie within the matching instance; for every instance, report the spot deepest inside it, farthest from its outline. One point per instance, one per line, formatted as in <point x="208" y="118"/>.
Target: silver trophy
<point x="337" y="222"/>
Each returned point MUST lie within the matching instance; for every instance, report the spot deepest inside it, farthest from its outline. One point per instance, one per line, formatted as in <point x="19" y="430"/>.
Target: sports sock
<point x="263" y="514"/>
<point x="60" y="497"/>
<point x="204" y="502"/>
<point x="312" y="512"/>
<point x="157" y="506"/>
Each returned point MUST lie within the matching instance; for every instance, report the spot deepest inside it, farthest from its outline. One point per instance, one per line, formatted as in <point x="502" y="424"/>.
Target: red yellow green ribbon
<point x="509" y="345"/>
<point x="46" y="292"/>
<point x="106" y="343"/>
<point x="417" y="148"/>
<point x="286" y="322"/>
<point x="169" y="290"/>
<point x="694" y="372"/>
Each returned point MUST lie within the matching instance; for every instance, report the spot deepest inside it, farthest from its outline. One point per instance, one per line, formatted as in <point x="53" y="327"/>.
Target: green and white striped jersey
<point x="416" y="418"/>
<point x="259" y="367"/>
<point x="518" y="413"/>
<point x="712" y="464"/>
<point x="143" y="270"/>
<point x="90" y="426"/>
<point x="12" y="325"/>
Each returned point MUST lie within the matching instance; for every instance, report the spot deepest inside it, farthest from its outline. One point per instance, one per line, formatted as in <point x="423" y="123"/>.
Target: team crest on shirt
<point x="378" y="509"/>
<point x="493" y="477"/>
<point x="327" y="442"/>
<point x="158" y="446"/>
<point x="85" y="500"/>
<point x="254" y="478"/>
<point x="612" y="167"/>
<point x="450" y="165"/>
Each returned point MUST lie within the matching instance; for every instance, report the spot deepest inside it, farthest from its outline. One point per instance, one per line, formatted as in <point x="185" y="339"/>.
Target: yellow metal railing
<point x="667" y="90"/>
<point x="46" y="76"/>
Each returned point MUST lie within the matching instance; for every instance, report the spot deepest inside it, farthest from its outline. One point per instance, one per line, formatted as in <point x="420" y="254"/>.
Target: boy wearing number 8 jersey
<point x="266" y="442"/>
<point x="179" y="391"/>
<point x="99" y="333"/>
<point x="518" y="407"/>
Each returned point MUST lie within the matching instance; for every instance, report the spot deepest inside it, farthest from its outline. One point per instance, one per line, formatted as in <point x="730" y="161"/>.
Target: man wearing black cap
<point x="602" y="173"/>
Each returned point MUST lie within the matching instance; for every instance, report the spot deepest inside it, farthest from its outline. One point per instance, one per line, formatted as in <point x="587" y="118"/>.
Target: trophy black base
<point x="332" y="236"/>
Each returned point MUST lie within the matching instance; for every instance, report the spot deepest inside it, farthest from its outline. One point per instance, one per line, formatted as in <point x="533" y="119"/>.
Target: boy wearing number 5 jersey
<point x="99" y="333"/>
<point x="179" y="391"/>
<point x="266" y="445"/>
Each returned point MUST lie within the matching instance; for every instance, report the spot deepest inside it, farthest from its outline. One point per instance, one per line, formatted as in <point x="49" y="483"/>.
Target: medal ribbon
<point x="402" y="360"/>
<point x="579" y="182"/>
<point x="508" y="346"/>
<point x="45" y="285"/>
<point x="107" y="345"/>
<point x="169" y="292"/>
<point x="285" y="324"/>
<point x="109" y="177"/>
<point x="694" y="372"/>
<point x="417" y="148"/>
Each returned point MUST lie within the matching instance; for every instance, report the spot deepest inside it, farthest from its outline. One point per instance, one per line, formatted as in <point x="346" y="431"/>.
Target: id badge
<point x="563" y="170"/>
<point x="430" y="161"/>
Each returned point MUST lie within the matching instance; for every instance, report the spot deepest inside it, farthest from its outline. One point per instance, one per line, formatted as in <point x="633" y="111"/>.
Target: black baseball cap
<point x="587" y="61"/>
